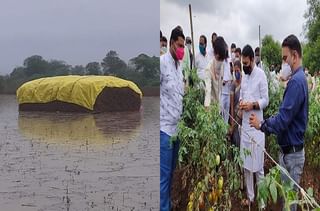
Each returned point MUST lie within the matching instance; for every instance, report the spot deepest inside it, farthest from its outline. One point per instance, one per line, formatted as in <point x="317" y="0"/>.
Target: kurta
<point x="254" y="88"/>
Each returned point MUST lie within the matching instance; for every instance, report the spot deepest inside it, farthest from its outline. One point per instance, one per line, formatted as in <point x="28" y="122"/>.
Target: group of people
<point x="236" y="80"/>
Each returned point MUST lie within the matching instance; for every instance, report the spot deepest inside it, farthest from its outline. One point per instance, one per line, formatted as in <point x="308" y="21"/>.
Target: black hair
<point x="220" y="48"/>
<point x="257" y="51"/>
<point x="160" y="34"/>
<point x="238" y="50"/>
<point x="175" y="34"/>
<point x="237" y="63"/>
<point x="163" y="39"/>
<point x="205" y="39"/>
<point x="227" y="51"/>
<point x="247" y="51"/>
<point x="188" y="40"/>
<point x="213" y="34"/>
<point x="292" y="43"/>
<point x="233" y="45"/>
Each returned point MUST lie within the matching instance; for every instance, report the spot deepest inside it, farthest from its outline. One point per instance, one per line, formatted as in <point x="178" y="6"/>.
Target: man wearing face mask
<point x="237" y="54"/>
<point x="285" y="73"/>
<point x="253" y="99"/>
<point x="163" y="45"/>
<point x="187" y="60"/>
<point x="202" y="58"/>
<point x="234" y="105"/>
<point x="189" y="48"/>
<point x="171" y="95"/>
<point x="233" y="52"/>
<point x="201" y="63"/>
<point x="291" y="121"/>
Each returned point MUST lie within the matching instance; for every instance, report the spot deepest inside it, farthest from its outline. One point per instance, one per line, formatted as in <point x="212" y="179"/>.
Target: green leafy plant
<point x="203" y="146"/>
<point x="312" y="135"/>
<point x="272" y="188"/>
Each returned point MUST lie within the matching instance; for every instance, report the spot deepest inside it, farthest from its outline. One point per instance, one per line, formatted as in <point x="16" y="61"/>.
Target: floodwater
<point x="60" y="161"/>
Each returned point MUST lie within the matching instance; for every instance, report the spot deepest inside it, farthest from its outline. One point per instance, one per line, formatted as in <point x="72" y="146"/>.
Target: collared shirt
<point x="171" y="94"/>
<point x="254" y="88"/>
<point x="291" y="122"/>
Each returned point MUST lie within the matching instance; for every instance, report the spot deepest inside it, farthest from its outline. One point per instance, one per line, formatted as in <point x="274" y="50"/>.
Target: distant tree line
<point x="143" y="70"/>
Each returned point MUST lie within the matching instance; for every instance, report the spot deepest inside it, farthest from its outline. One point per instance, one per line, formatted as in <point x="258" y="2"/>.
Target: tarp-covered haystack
<point x="79" y="94"/>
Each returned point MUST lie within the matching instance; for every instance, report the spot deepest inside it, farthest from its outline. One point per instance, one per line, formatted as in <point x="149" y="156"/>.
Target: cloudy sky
<point x="237" y="21"/>
<point x="76" y="31"/>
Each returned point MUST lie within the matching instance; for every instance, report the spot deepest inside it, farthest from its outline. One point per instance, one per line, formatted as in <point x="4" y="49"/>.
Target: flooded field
<point x="58" y="161"/>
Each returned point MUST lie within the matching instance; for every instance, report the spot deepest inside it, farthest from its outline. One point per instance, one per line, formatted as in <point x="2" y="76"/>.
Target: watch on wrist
<point x="260" y="124"/>
<point x="254" y="106"/>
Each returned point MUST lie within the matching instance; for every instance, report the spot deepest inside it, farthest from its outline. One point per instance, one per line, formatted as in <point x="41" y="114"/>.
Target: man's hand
<point x="247" y="106"/>
<point x="254" y="121"/>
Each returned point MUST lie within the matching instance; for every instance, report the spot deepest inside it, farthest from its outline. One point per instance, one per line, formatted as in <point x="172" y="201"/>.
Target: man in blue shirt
<point x="291" y="122"/>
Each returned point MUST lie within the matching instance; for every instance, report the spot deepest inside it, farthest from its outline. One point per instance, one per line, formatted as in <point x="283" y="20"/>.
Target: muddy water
<point x="79" y="161"/>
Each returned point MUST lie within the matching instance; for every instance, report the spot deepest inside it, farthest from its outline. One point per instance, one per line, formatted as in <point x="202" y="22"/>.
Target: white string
<point x="303" y="192"/>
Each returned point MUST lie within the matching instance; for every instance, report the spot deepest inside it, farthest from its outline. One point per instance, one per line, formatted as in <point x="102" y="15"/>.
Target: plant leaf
<point x="273" y="191"/>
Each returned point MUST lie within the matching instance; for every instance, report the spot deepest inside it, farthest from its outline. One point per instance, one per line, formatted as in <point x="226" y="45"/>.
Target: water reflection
<point x="80" y="128"/>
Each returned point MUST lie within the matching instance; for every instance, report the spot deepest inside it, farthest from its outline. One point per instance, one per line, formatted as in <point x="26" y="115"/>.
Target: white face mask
<point x="233" y="56"/>
<point x="163" y="49"/>
<point x="285" y="71"/>
<point x="189" y="47"/>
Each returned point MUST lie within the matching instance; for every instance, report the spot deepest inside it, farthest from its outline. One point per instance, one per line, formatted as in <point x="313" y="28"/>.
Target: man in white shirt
<point x="171" y="95"/>
<point x="253" y="99"/>
<point x="202" y="58"/>
<point x="201" y="63"/>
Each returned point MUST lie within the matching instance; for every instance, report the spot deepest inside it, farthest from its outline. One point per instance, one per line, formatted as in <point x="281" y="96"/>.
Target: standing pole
<point x="190" y="13"/>
<point x="260" y="41"/>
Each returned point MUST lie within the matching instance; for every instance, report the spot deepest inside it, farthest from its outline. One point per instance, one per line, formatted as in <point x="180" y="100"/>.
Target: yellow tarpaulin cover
<point x="80" y="90"/>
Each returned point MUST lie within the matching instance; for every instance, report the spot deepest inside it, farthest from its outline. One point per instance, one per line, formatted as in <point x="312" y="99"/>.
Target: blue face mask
<point x="237" y="75"/>
<point x="202" y="49"/>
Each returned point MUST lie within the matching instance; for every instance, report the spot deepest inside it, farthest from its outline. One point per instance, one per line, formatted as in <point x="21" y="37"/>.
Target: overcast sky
<point x="76" y="31"/>
<point x="236" y="20"/>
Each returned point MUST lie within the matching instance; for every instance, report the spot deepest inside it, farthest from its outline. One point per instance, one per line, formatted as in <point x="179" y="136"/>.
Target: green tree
<point x="57" y="67"/>
<point x="113" y="65"/>
<point x="2" y="83"/>
<point x="35" y="65"/>
<point x="93" y="68"/>
<point x="78" y="70"/>
<point x="271" y="51"/>
<point x="311" y="51"/>
<point x="148" y="67"/>
<point x="18" y="72"/>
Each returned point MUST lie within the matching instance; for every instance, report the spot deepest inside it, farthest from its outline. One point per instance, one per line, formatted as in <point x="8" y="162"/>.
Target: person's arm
<point x="263" y="89"/>
<point x="264" y="97"/>
<point x="293" y="98"/>
<point x="232" y="109"/>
